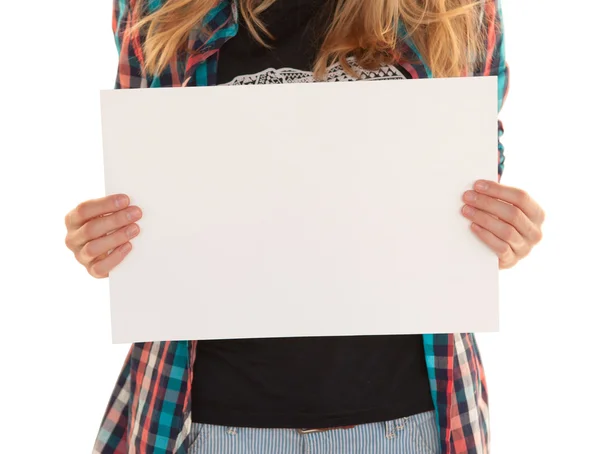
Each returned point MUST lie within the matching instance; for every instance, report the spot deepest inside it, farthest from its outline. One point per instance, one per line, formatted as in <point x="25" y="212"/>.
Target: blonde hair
<point x="447" y="33"/>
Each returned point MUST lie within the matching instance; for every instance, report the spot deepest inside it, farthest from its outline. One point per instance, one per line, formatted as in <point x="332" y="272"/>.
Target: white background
<point x="58" y="365"/>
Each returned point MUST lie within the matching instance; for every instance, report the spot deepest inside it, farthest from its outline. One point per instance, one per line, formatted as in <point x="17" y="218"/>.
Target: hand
<point x="98" y="232"/>
<point x="507" y="219"/>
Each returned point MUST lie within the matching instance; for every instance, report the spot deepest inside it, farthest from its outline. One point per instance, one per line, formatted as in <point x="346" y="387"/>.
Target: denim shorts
<point x="417" y="434"/>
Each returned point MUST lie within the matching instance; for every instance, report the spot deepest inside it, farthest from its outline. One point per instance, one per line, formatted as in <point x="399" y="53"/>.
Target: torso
<point x="303" y="382"/>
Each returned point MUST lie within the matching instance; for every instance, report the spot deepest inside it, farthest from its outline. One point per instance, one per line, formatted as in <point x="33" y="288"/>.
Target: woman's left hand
<point x="507" y="219"/>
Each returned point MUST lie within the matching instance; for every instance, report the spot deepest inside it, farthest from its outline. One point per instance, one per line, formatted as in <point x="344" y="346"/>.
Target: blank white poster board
<point x="318" y="209"/>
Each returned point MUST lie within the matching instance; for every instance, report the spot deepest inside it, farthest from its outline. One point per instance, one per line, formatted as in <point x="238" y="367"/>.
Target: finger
<point x="514" y="196"/>
<point x="99" y="248"/>
<point x="105" y="224"/>
<point x="499" y="228"/>
<point x="101" y="268"/>
<point x="502" y="249"/>
<point x="91" y="209"/>
<point x="503" y="211"/>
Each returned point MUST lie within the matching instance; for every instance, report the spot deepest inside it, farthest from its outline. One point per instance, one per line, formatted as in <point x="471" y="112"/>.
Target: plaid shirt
<point x="149" y="411"/>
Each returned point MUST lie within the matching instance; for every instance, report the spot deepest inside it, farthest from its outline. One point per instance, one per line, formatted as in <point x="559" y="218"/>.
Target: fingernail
<point x="121" y="201"/>
<point x="470" y="196"/>
<point x="132" y="230"/>
<point x="134" y="214"/>
<point x="127" y="247"/>
<point x="468" y="211"/>
<point x="482" y="186"/>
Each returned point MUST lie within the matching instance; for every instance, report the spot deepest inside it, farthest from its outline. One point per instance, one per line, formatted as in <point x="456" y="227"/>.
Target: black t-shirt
<point x="303" y="382"/>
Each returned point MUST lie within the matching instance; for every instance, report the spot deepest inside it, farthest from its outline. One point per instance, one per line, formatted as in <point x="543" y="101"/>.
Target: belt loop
<point x="390" y="429"/>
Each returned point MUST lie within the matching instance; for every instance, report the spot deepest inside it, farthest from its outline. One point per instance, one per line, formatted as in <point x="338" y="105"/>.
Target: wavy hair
<point x="448" y="33"/>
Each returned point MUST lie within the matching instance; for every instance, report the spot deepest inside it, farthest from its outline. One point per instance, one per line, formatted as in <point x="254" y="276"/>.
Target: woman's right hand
<point x="99" y="230"/>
